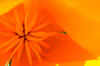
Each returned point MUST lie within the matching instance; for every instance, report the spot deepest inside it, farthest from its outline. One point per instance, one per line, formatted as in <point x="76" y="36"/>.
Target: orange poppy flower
<point x="29" y="35"/>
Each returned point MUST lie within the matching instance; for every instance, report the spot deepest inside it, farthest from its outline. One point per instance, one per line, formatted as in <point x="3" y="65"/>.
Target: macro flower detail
<point x="27" y="38"/>
<point x="27" y="35"/>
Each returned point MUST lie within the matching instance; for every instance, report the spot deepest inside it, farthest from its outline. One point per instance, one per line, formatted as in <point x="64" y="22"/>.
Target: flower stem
<point x="10" y="63"/>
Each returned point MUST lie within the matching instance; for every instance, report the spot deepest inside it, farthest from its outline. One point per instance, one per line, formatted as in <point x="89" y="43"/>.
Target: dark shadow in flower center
<point x="24" y="36"/>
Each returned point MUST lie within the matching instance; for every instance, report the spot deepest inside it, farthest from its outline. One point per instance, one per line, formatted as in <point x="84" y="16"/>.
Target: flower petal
<point x="23" y="59"/>
<point x="19" y="51"/>
<point x="8" y="20"/>
<point x="7" y="25"/>
<point x="6" y="5"/>
<point x="90" y="10"/>
<point x="18" y="46"/>
<point x="35" y="50"/>
<point x="28" y="52"/>
<point x="85" y="32"/>
<point x="64" y="64"/>
<point x="80" y="21"/>
<point x="4" y="57"/>
<point x="4" y="44"/>
<point x="30" y="5"/>
<point x="66" y="50"/>
<point x="63" y="48"/>
<point x="73" y="64"/>
<point x="10" y="46"/>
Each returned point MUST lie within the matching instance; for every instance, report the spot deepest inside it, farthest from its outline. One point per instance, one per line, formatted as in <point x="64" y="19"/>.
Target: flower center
<point x="23" y="35"/>
<point x="28" y="36"/>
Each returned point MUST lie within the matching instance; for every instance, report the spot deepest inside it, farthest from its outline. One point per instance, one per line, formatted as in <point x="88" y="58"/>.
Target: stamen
<point x="32" y="23"/>
<point x="26" y="26"/>
<point x="44" y="44"/>
<point x="7" y="25"/>
<point x="49" y="34"/>
<point x="34" y="39"/>
<point x="28" y="52"/>
<point x="13" y="44"/>
<point x="35" y="51"/>
<point x="18" y="21"/>
<point x="8" y="42"/>
<point x="22" y="39"/>
<point x="38" y="34"/>
<point x="12" y="21"/>
<point x="61" y="35"/>
<point x="19" y="32"/>
<point x="42" y="26"/>
<point x="37" y="47"/>
<point x="6" y="34"/>
<point x="20" y="49"/>
<point x="63" y="32"/>
<point x="19" y="26"/>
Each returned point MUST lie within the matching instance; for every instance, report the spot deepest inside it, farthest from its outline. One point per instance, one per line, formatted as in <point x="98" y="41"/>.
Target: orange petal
<point x="72" y="64"/>
<point x="66" y="50"/>
<point x="15" y="50"/>
<point x="23" y="61"/>
<point x="30" y="4"/>
<point x="20" y="13"/>
<point x="7" y="5"/>
<point x="14" y="61"/>
<point x="90" y="10"/>
<point x="80" y="21"/>
<point x="4" y="57"/>
<point x="10" y="16"/>
<point x="4" y="29"/>
<point x="34" y="49"/>
<point x="44" y="44"/>
<point x="83" y="30"/>
<point x="6" y="34"/>
<point x="31" y="15"/>
<point x="64" y="64"/>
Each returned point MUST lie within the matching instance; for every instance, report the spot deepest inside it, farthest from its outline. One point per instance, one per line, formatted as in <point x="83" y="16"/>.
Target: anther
<point x="63" y="32"/>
